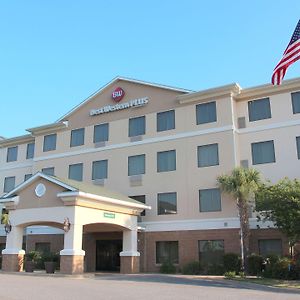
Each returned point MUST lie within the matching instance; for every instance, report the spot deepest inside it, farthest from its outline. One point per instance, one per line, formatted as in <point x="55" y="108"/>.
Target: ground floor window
<point x="167" y="251"/>
<point x="42" y="247"/>
<point x="272" y="246"/>
<point x="211" y="252"/>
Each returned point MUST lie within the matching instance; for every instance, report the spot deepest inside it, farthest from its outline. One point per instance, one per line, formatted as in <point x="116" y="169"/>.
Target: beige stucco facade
<point x="234" y="146"/>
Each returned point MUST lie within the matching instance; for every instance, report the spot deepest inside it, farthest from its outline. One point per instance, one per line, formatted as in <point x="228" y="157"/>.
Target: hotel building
<point x="127" y="179"/>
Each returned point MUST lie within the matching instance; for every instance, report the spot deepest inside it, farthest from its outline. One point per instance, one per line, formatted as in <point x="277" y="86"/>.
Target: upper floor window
<point x="30" y="151"/>
<point x="142" y="199"/>
<point x="206" y="113"/>
<point x="49" y="142"/>
<point x="137" y="126"/>
<point x="27" y="176"/>
<point x="167" y="203"/>
<point x="166" y="120"/>
<point x="9" y="184"/>
<point x="263" y="152"/>
<point x="166" y="161"/>
<point x="208" y="155"/>
<point x="12" y="154"/>
<point x="259" y="109"/>
<point x="99" y="170"/>
<point x="76" y="172"/>
<point x="77" y="137"/>
<point x="209" y="200"/>
<point x="136" y="165"/>
<point x="298" y="146"/>
<point x="296" y="102"/>
<point x="101" y="133"/>
<point x="48" y="171"/>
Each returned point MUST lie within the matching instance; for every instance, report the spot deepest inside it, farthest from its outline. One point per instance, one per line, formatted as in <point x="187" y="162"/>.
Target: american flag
<point x="290" y="55"/>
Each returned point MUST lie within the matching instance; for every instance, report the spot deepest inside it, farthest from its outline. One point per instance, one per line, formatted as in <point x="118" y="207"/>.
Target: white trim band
<point x="13" y="251"/>
<point x="72" y="252"/>
<point x="129" y="253"/>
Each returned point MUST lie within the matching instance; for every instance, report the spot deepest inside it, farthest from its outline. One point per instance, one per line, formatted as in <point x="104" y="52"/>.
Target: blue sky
<point x="54" y="54"/>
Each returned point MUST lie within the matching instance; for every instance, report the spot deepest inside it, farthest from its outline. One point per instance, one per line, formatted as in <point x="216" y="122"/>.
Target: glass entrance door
<point x="108" y="255"/>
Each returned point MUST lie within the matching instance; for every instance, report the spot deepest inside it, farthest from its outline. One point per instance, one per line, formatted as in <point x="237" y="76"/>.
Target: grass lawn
<point x="271" y="282"/>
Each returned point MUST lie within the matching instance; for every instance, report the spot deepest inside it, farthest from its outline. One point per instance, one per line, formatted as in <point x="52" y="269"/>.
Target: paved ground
<point x="133" y="287"/>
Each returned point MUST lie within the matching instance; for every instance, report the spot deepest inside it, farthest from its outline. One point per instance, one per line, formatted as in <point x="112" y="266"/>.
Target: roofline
<point x="31" y="179"/>
<point x="217" y="92"/>
<point x="16" y="140"/>
<point x="47" y="128"/>
<point x="97" y="92"/>
<point x="269" y="89"/>
<point x="102" y="198"/>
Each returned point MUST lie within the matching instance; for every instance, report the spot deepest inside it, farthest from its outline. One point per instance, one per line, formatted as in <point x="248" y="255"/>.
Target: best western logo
<point x="118" y="94"/>
<point x="109" y="108"/>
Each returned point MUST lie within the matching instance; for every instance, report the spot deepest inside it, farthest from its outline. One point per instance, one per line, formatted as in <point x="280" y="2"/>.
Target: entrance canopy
<point x="68" y="204"/>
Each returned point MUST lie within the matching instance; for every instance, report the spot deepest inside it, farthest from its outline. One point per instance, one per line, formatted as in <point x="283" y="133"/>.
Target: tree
<point x="280" y="203"/>
<point x="242" y="184"/>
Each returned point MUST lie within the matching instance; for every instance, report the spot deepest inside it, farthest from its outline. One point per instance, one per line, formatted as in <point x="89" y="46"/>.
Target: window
<point x="77" y="137"/>
<point x="12" y="154"/>
<point x="209" y="200"/>
<point x="298" y="146"/>
<point x="49" y="142"/>
<point x="142" y="199"/>
<point x="9" y="184"/>
<point x="101" y="133"/>
<point x="263" y="152"/>
<point x="75" y="172"/>
<point x="206" y="113"/>
<point x="167" y="203"/>
<point x="27" y="176"/>
<point x="48" y="171"/>
<point x="136" y="165"/>
<point x="99" y="169"/>
<point x="30" y="151"/>
<point x="259" y="109"/>
<point x="165" y="120"/>
<point x="136" y="126"/>
<point x="167" y="252"/>
<point x="43" y="247"/>
<point x="296" y="102"/>
<point x="211" y="252"/>
<point x="166" y="161"/>
<point x="208" y="155"/>
<point x="267" y="247"/>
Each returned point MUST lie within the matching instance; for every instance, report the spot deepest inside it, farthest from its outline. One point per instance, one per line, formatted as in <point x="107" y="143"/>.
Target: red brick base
<point x="130" y="264"/>
<point x="12" y="262"/>
<point x="71" y="264"/>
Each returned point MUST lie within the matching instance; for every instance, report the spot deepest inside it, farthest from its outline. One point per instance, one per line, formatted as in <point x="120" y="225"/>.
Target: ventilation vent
<point x="136" y="180"/>
<point x="136" y="138"/>
<point x="100" y="144"/>
<point x="241" y="122"/>
<point x="98" y="181"/>
<point x="245" y="163"/>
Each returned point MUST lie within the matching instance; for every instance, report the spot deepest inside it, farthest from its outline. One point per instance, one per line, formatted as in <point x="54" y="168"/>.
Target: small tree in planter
<point x="50" y="260"/>
<point x="31" y="259"/>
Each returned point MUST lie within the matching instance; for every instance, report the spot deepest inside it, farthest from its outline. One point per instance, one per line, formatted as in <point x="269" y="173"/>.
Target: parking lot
<point x="135" y="287"/>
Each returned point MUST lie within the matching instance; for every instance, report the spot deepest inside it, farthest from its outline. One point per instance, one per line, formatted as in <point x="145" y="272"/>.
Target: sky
<point x="54" y="54"/>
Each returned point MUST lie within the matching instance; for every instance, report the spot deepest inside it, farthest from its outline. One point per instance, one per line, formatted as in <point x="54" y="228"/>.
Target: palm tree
<point x="241" y="184"/>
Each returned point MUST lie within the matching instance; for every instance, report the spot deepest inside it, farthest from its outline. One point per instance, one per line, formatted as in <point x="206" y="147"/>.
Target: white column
<point x="130" y="243"/>
<point x="14" y="241"/>
<point x="73" y="241"/>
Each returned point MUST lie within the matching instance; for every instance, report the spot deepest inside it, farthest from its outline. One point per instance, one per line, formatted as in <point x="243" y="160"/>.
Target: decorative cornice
<point x="15" y="141"/>
<point x="49" y="128"/>
<point x="214" y="93"/>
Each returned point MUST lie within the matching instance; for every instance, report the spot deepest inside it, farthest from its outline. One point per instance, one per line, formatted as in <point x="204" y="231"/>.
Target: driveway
<point x="134" y="287"/>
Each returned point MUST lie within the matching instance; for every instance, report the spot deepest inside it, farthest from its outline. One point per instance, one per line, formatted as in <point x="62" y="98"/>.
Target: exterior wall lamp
<point x="7" y="227"/>
<point x="67" y="225"/>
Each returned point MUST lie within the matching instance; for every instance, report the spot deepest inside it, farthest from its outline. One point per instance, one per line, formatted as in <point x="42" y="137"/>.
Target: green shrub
<point x="232" y="262"/>
<point x="255" y="264"/>
<point x="229" y="275"/>
<point x="192" y="268"/>
<point x="167" y="268"/>
<point x="32" y="256"/>
<point x="242" y="274"/>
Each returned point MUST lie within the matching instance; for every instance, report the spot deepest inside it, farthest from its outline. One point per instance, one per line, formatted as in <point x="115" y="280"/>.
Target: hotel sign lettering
<point x="120" y="106"/>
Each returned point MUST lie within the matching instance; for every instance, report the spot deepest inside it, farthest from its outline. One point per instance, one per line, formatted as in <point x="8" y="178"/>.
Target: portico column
<point x="13" y="255"/>
<point x="130" y="257"/>
<point x="72" y="256"/>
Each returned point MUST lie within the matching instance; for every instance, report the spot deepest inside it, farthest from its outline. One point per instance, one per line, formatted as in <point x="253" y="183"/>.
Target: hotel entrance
<point x="108" y="255"/>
